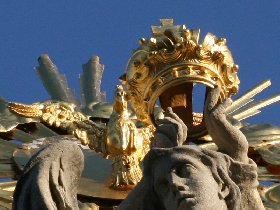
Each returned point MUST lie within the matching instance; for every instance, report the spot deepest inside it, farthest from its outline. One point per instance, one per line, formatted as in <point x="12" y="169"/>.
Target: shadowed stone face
<point x="190" y="177"/>
<point x="184" y="182"/>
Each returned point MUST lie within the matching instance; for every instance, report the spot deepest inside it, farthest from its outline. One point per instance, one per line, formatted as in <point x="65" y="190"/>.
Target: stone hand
<point x="171" y="131"/>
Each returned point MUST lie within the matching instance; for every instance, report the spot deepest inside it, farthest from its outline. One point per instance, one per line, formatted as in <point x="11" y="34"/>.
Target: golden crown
<point x="172" y="58"/>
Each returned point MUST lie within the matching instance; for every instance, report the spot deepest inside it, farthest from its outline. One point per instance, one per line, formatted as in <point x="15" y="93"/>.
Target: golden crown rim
<point x="173" y="56"/>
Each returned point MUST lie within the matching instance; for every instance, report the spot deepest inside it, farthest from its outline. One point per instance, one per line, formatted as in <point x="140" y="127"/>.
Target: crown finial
<point x="173" y="58"/>
<point x="165" y="24"/>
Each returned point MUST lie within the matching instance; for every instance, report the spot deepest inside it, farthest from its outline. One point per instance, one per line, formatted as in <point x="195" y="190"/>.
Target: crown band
<point x="173" y="56"/>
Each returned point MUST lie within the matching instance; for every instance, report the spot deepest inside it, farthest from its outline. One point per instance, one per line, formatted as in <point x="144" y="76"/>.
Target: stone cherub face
<point x="185" y="182"/>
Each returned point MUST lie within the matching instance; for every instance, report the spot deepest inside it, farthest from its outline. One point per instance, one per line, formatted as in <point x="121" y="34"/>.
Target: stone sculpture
<point x="162" y="72"/>
<point x="50" y="179"/>
<point x="176" y="176"/>
<point x="120" y="139"/>
<point x="189" y="177"/>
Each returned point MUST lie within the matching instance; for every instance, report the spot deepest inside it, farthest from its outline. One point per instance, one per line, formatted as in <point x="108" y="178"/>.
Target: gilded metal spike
<point x="243" y="99"/>
<point x="248" y="110"/>
<point x="246" y="114"/>
<point x="266" y="142"/>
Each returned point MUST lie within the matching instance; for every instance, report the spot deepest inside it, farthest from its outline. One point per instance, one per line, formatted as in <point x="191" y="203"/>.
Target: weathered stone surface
<point x="190" y="177"/>
<point x="50" y="179"/>
<point x="175" y="176"/>
<point x="171" y="131"/>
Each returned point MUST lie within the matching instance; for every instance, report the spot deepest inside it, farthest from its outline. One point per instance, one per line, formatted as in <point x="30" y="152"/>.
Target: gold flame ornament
<point x="173" y="59"/>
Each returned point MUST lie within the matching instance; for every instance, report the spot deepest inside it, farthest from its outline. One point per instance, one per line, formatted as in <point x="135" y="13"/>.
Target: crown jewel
<point x="172" y="57"/>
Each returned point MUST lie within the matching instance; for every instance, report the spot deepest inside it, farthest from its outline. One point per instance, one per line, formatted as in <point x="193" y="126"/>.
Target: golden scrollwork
<point x="120" y="139"/>
<point x="126" y="143"/>
<point x="165" y="67"/>
<point x="122" y="134"/>
<point x="63" y="115"/>
<point x="174" y="56"/>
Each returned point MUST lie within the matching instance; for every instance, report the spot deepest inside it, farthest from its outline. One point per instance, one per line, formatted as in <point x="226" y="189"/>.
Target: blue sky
<point x="72" y="31"/>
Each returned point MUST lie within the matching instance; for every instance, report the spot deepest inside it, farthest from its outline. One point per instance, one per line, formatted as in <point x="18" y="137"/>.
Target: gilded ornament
<point x="174" y="56"/>
<point x="120" y="139"/>
<point x="166" y="66"/>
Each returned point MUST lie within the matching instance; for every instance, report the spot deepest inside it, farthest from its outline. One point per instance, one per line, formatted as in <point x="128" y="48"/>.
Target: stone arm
<point x="229" y="139"/>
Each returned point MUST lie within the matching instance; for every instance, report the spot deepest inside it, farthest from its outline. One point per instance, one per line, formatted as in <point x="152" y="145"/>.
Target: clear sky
<point x="72" y="31"/>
